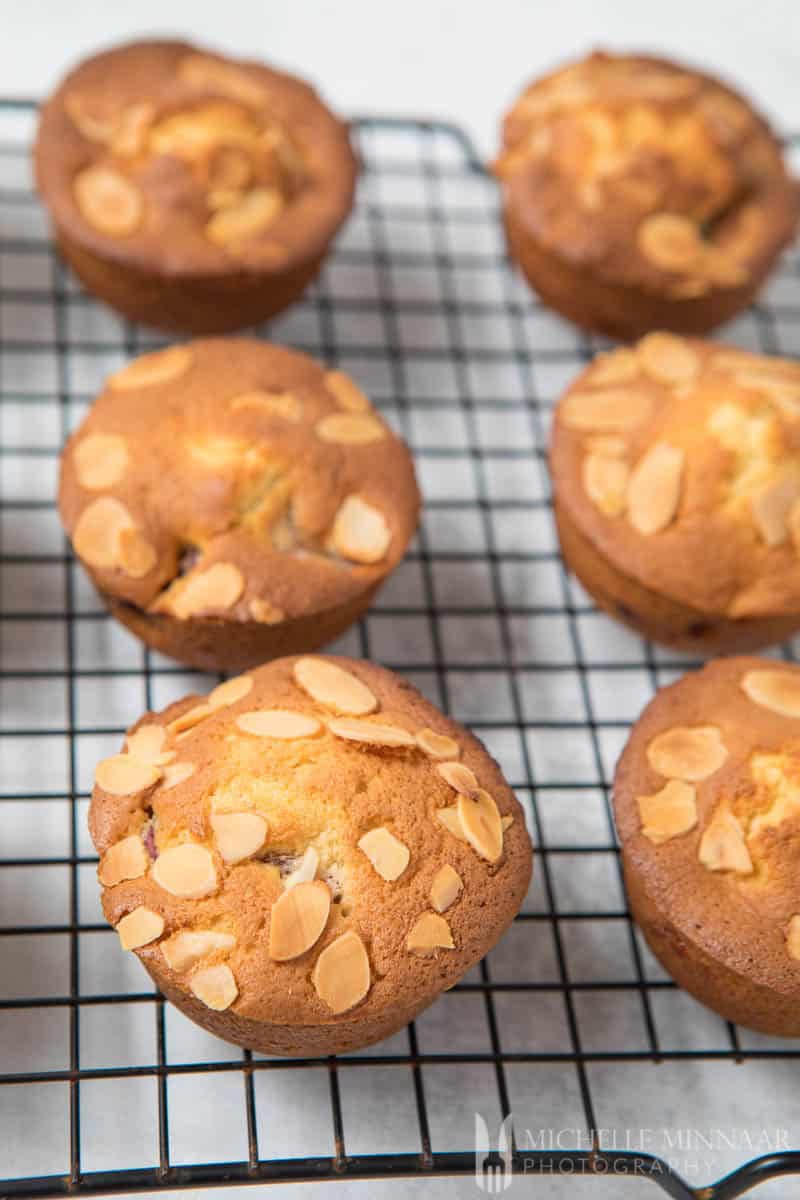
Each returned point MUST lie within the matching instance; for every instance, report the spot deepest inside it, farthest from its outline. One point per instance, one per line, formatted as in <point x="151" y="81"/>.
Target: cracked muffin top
<point x="310" y="838"/>
<point x="707" y="799"/>
<point x="234" y="479"/>
<point x="672" y="446"/>
<point x="647" y="174"/>
<point x="178" y="161"/>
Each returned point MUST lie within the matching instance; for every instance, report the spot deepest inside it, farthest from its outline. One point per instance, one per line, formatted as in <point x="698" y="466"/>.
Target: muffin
<point x="707" y="800"/>
<point x="639" y="195"/>
<point x="234" y="501"/>
<point x="190" y="191"/>
<point x="676" y="481"/>
<point x="305" y="858"/>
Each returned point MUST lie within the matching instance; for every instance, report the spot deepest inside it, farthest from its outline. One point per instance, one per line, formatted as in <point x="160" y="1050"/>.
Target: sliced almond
<point x="446" y="888"/>
<point x="616" y="410"/>
<point x="370" y="733"/>
<point x="360" y="532"/>
<point x="149" y="370"/>
<point x="101" y="460"/>
<point x="126" y="859"/>
<point x="175" y="774"/>
<point x="95" y="125"/>
<point x="722" y="846"/>
<point x="283" y="723"/>
<point x="218" y="587"/>
<point x="306" y="869"/>
<point x="298" y="919"/>
<point x="137" y="557"/>
<point x="687" y="752"/>
<point x="231" y="691"/>
<point x="793" y="937"/>
<point x="187" y="720"/>
<point x="771" y="507"/>
<point x="96" y="537"/>
<point x="341" y="974"/>
<point x="618" y="366"/>
<point x="668" y="359"/>
<point x="266" y="613"/>
<point x="215" y="986"/>
<point x="123" y="775"/>
<point x="606" y="445"/>
<point x="482" y="825"/>
<point x="251" y="215"/>
<point x="777" y="690"/>
<point x="187" y="870"/>
<point x="388" y="855"/>
<point x="451" y="820"/>
<point x="334" y="687"/>
<point x="274" y="404"/>
<point x="668" y="813"/>
<point x="605" y="481"/>
<point x="188" y="947"/>
<point x="130" y="133"/>
<point x="238" y="835"/>
<point x="216" y="75"/>
<point x="506" y="822"/>
<point x="345" y="393"/>
<point x="139" y="928"/>
<point x="108" y="201"/>
<point x="670" y="242"/>
<point x="654" y="490"/>
<point x="429" y="933"/>
<point x="437" y="745"/>
<point x="350" y="429"/>
<point x="147" y="745"/>
<point x="459" y="777"/>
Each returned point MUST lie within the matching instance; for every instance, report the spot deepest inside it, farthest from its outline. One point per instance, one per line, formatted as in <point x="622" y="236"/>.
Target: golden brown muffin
<point x="707" y="799"/>
<point x="190" y="191"/>
<point x="676" y="480"/>
<point x="304" y="859"/>
<point x="233" y="501"/>
<point x="639" y="195"/>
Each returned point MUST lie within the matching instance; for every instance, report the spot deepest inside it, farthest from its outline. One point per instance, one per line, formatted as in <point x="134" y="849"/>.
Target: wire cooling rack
<point x="568" y="1024"/>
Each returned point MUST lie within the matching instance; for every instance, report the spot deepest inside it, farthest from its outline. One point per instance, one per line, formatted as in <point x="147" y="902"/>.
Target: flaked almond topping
<point x="771" y="507"/>
<point x="370" y="732"/>
<point x="282" y="723"/>
<point x="346" y="394"/>
<point x="149" y="370"/>
<point x="459" y="777"/>
<point x="126" y="859"/>
<point x="360" y="532"/>
<point x="137" y="556"/>
<point x="176" y="773"/>
<point x="388" y="855"/>
<point x="506" y="822"/>
<point x="350" y="429"/>
<point x="452" y="821"/>
<point x="275" y="404"/>
<point x="618" y="366"/>
<point x="670" y="242"/>
<point x="306" y="869"/>
<point x="429" y="933"/>
<point x="108" y="201"/>
<point x="122" y="775"/>
<point x="605" y="481"/>
<point x="100" y="460"/>
<point x="690" y="753"/>
<point x="654" y="490"/>
<point x="215" y="986"/>
<point x="96" y="537"/>
<point x="266" y="613"/>
<point x="147" y="745"/>
<point x="606" y="445"/>
<point x="139" y="928"/>
<point x="777" y="690"/>
<point x="187" y="720"/>
<point x="446" y="888"/>
<point x="341" y="974"/>
<point x="188" y="947"/>
<point x="722" y="846"/>
<point x="238" y="835"/>
<point x="334" y="687"/>
<point x="668" y="359"/>
<point x="187" y="870"/>
<point x="218" y="587"/>
<point x="128" y="138"/>
<point x="668" y="813"/>
<point x="793" y="937"/>
<point x="437" y="745"/>
<point x="213" y="74"/>
<point x="252" y="214"/>
<point x="482" y="825"/>
<point x="231" y="691"/>
<point x="298" y="919"/>
<point x="616" y="410"/>
<point x="94" y="125"/>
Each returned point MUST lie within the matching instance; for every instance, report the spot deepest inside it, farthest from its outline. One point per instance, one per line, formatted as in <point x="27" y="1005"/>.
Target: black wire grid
<point x="569" y="1024"/>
